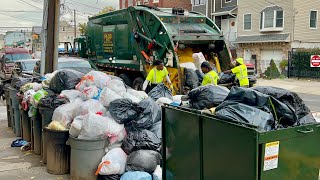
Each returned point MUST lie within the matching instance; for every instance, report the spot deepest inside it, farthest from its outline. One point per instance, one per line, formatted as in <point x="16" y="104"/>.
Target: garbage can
<point x="46" y="118"/>
<point x="37" y="131"/>
<point x="203" y="147"/>
<point x="15" y="112"/>
<point x="85" y="157"/>
<point x="58" y="153"/>
<point x="26" y="124"/>
<point x="7" y="97"/>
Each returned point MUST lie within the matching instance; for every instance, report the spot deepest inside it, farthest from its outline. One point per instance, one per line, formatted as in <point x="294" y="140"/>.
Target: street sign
<point x="315" y="61"/>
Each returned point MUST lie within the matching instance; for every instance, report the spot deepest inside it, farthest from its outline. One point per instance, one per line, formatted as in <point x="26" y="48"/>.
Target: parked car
<point x="24" y="67"/>
<point x="8" y="58"/>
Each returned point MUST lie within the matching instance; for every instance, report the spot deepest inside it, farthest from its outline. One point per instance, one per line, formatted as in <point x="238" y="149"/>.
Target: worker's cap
<point x="205" y="64"/>
<point x="240" y="61"/>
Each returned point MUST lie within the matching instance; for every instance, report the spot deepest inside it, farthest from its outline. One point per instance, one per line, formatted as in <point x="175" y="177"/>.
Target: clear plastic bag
<point x="157" y="174"/>
<point x="91" y="92"/>
<point x="117" y="86"/>
<point x="141" y="95"/>
<point x="70" y="94"/>
<point x="93" y="106"/>
<point x="114" y="162"/>
<point x="198" y="60"/>
<point x="66" y="113"/>
<point x="133" y="98"/>
<point x="107" y="96"/>
<point x="100" y="79"/>
<point x="76" y="126"/>
<point x="163" y="100"/>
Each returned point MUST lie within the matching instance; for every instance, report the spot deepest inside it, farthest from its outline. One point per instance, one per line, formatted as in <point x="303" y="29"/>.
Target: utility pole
<point x="75" y="24"/>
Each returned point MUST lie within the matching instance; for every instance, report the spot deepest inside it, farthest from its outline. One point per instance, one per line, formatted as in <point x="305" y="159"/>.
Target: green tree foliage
<point x="272" y="72"/>
<point x="105" y="10"/>
<point x="82" y="28"/>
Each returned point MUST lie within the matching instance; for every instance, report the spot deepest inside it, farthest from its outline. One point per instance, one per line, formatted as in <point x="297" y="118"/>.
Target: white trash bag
<point x="141" y="95"/>
<point x="101" y="79"/>
<point x="117" y="86"/>
<point x="198" y="60"/>
<point x="188" y="65"/>
<point x="114" y="162"/>
<point x="91" y="92"/>
<point x="93" y="106"/>
<point x="131" y="97"/>
<point x="70" y="94"/>
<point x="163" y="100"/>
<point x="76" y="126"/>
<point x="157" y="174"/>
<point x="107" y="96"/>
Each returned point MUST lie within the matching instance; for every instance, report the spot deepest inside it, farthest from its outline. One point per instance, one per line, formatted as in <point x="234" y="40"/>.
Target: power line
<point x="86" y="5"/>
<point x="24" y="2"/>
<point x="17" y="11"/>
<point x="22" y="18"/>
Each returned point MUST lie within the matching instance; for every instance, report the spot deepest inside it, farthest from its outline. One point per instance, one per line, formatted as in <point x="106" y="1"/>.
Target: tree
<point x="105" y="10"/>
<point x="82" y="28"/>
<point x="272" y="72"/>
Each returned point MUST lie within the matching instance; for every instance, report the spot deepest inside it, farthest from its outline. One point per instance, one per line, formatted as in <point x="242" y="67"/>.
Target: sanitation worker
<point x="241" y="72"/>
<point x="211" y="77"/>
<point x="156" y="76"/>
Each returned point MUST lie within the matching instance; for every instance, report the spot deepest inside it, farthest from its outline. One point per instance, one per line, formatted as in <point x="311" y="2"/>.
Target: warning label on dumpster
<point x="271" y="156"/>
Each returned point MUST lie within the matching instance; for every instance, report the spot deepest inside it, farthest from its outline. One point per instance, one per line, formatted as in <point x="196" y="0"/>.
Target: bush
<point x="272" y="72"/>
<point x="283" y="65"/>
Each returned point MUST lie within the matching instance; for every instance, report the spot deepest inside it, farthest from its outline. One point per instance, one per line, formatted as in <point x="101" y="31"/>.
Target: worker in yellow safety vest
<point x="156" y="76"/>
<point x="241" y="72"/>
<point x="211" y="76"/>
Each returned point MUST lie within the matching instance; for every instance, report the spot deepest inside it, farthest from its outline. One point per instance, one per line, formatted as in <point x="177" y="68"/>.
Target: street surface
<point x="18" y="165"/>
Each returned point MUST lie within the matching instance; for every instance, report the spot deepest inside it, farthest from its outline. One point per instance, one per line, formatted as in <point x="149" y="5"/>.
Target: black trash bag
<point x="17" y="82"/>
<point x="65" y="80"/>
<point x="150" y="113"/>
<point x="291" y="99"/>
<point x="109" y="177"/>
<point x="123" y="110"/>
<point x="226" y="78"/>
<point x="192" y="79"/>
<point x="283" y="114"/>
<point x="143" y="160"/>
<point x="239" y="112"/>
<point x="207" y="96"/>
<point x="52" y="100"/>
<point x="140" y="139"/>
<point x="200" y="76"/>
<point x="160" y="91"/>
<point x="157" y="129"/>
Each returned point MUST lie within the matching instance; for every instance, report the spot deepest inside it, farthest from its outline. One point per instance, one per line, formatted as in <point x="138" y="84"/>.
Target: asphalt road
<point x="312" y="101"/>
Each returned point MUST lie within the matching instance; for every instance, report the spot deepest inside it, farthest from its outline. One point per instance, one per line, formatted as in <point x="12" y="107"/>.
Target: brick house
<point x="186" y="4"/>
<point x="269" y="29"/>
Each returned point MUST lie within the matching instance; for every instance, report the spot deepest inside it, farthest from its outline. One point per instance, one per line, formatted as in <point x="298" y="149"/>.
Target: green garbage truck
<point x="125" y="42"/>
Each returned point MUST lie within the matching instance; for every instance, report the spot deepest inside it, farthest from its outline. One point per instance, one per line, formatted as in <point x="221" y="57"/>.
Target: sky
<point x="28" y="13"/>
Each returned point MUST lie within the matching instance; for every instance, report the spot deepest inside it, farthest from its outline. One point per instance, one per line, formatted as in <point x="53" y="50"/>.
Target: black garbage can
<point x="26" y="124"/>
<point x="37" y="131"/>
<point x="58" y="153"/>
<point x="46" y="117"/>
<point x="7" y="97"/>
<point x="15" y="112"/>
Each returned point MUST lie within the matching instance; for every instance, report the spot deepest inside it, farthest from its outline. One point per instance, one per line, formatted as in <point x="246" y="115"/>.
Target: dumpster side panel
<point x="298" y="155"/>
<point x="183" y="144"/>
<point x="230" y="151"/>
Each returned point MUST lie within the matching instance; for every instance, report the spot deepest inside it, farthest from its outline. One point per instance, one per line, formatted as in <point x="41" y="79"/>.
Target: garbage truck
<point x="126" y="42"/>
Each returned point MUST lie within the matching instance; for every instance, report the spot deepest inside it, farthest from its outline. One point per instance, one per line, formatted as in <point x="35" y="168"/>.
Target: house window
<point x="198" y="2"/>
<point x="130" y="3"/>
<point x="272" y="18"/>
<point x="247" y="22"/>
<point x="227" y="1"/>
<point x="313" y="19"/>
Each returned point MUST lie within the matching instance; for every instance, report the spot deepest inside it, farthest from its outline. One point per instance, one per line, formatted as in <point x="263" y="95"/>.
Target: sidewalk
<point x="295" y="85"/>
<point x="18" y="165"/>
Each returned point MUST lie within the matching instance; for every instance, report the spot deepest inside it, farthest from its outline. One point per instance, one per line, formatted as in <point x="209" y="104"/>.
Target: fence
<point x="299" y="64"/>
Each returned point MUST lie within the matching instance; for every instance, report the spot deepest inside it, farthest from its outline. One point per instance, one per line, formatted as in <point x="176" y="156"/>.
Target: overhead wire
<point x="24" y="2"/>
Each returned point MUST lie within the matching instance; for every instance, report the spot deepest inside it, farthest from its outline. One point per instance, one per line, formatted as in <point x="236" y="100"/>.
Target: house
<point x="223" y="13"/>
<point x="186" y="4"/>
<point x="66" y="32"/>
<point x="269" y="29"/>
<point x="2" y="41"/>
<point x="18" y="38"/>
<point x="36" y="41"/>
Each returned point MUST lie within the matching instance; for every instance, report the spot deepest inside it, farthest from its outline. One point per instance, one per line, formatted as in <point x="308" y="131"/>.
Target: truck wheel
<point x="138" y="83"/>
<point x="126" y="79"/>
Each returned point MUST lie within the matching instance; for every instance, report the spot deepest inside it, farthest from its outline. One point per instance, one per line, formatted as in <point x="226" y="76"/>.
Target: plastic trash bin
<point x="26" y="124"/>
<point x="58" y="153"/>
<point x="7" y="97"/>
<point x="46" y="118"/>
<point x="85" y="157"/>
<point x="203" y="147"/>
<point x="37" y="131"/>
<point x="15" y="112"/>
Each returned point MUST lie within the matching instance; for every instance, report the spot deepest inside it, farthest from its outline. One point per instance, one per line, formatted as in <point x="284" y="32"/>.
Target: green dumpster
<point x="200" y="146"/>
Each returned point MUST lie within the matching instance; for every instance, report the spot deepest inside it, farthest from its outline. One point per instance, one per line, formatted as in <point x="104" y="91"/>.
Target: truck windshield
<point x="15" y="57"/>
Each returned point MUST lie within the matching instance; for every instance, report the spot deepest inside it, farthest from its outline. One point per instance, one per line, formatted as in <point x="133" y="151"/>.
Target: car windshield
<point x="28" y="66"/>
<point x="74" y="64"/>
<point x="15" y="57"/>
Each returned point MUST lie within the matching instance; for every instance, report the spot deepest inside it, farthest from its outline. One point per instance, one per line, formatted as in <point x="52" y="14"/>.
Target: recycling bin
<point x="201" y="146"/>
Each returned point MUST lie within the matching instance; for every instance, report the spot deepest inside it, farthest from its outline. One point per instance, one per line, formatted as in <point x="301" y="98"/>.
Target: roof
<point x="225" y="11"/>
<point x="14" y="50"/>
<point x="263" y="38"/>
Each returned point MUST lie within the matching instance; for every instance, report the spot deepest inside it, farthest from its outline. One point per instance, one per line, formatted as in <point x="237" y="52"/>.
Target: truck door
<point x="108" y="42"/>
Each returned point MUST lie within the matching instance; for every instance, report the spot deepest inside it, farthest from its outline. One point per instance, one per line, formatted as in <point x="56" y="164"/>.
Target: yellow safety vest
<point x="156" y="77"/>
<point x="242" y="74"/>
<point x="210" y="78"/>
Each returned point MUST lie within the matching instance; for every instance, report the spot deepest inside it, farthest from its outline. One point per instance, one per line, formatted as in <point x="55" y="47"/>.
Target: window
<point x="227" y="1"/>
<point x="313" y="19"/>
<point x="247" y="22"/>
<point x="155" y="1"/>
<point x="198" y="2"/>
<point x="272" y="19"/>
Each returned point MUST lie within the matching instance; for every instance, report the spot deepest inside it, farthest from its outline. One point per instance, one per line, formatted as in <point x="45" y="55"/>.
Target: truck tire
<point x="138" y="83"/>
<point x="126" y="79"/>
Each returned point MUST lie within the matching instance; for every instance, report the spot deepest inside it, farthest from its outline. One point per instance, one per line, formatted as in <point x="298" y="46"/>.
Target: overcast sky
<point x="27" y="13"/>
